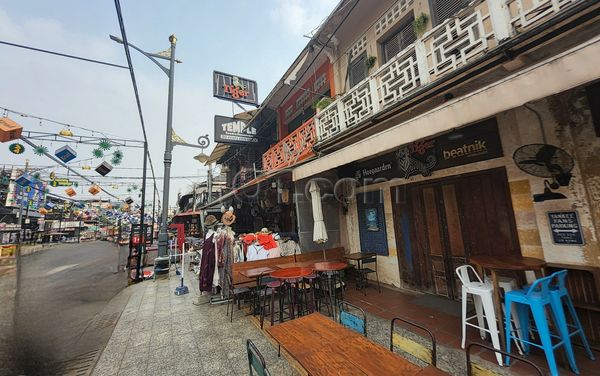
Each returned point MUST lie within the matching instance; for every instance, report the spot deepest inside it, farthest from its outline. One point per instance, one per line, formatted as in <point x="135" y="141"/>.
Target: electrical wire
<point x="62" y="54"/>
<point x="134" y="83"/>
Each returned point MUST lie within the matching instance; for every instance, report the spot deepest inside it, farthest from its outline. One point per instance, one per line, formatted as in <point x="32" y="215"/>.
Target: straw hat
<point x="210" y="220"/>
<point x="228" y="218"/>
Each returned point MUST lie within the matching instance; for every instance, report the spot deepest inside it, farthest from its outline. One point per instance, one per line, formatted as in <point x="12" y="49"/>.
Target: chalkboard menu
<point x="565" y="228"/>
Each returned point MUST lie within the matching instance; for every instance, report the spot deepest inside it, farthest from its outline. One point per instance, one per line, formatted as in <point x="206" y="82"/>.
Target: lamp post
<point x="204" y="142"/>
<point x="163" y="238"/>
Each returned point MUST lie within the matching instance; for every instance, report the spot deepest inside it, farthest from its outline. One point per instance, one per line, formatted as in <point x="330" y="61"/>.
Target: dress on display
<point x="207" y="265"/>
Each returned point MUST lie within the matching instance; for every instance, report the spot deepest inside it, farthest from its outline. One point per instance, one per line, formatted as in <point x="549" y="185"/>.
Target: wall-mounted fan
<point x="545" y="161"/>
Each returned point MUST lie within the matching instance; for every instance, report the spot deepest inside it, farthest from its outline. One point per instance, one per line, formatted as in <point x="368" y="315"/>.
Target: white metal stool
<point x="484" y="307"/>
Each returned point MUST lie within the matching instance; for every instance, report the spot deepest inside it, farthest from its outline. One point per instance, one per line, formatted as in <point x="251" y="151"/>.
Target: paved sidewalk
<point x="160" y="333"/>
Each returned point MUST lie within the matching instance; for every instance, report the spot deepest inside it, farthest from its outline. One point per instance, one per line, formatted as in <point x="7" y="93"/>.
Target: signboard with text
<point x="565" y="228"/>
<point x="234" y="88"/>
<point x="233" y="131"/>
<point x="475" y="143"/>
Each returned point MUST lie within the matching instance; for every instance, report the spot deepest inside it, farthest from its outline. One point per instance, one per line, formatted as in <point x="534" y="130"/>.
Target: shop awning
<point x="562" y="72"/>
<point x="246" y="186"/>
<point x="217" y="153"/>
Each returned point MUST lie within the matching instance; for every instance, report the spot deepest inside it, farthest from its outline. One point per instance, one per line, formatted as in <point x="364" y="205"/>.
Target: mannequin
<point x="208" y="261"/>
<point x="225" y="240"/>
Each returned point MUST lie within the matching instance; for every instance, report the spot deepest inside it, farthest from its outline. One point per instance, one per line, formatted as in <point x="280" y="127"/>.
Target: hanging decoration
<point x="86" y="167"/>
<point x="115" y="186"/>
<point x="117" y="157"/>
<point x="40" y="150"/>
<point x="134" y="187"/>
<point x="9" y="129"/>
<point x="16" y="148"/>
<point x="105" y="144"/>
<point x="98" y="153"/>
<point x="76" y="184"/>
<point x="70" y="192"/>
<point x="94" y="189"/>
<point x="104" y="168"/>
<point x="65" y="154"/>
<point x="129" y="190"/>
<point x="65" y="132"/>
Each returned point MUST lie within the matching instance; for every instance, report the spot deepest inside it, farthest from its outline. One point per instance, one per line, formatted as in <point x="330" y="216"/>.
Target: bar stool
<point x="483" y="300"/>
<point x="272" y="288"/>
<point x="310" y="282"/>
<point x="559" y="296"/>
<point x="509" y="284"/>
<point x="536" y="299"/>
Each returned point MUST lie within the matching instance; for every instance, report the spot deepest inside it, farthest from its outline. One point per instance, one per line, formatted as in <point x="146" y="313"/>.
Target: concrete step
<point x="7" y="261"/>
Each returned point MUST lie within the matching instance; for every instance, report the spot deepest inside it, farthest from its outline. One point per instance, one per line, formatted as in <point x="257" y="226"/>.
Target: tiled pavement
<point x="160" y="333"/>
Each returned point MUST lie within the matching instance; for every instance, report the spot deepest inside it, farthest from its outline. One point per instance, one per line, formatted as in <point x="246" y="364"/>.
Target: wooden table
<point x="298" y="264"/>
<point x="505" y="262"/>
<point x="324" y="347"/>
<point x="257" y="273"/>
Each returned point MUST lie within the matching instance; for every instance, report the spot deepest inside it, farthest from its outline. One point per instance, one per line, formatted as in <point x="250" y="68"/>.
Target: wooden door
<point x="438" y="224"/>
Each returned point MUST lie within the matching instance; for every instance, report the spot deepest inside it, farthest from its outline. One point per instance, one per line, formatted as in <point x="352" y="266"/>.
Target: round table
<point x="505" y="262"/>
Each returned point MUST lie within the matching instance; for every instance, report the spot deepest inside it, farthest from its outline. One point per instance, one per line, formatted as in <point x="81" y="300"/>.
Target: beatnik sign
<point x="234" y="88"/>
<point x="233" y="131"/>
<point x="475" y="143"/>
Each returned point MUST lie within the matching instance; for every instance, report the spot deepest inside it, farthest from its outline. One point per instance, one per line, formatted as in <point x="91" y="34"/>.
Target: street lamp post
<point x="163" y="238"/>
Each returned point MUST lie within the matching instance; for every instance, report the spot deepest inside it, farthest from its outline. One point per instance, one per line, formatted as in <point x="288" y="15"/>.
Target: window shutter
<point x="399" y="41"/>
<point x="358" y="69"/>
<point x="444" y="9"/>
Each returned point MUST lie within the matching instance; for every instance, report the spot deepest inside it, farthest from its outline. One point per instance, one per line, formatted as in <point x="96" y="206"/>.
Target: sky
<point x="256" y="39"/>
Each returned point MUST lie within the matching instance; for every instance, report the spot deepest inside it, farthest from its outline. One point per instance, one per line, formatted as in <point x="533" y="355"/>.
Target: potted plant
<point x="370" y="62"/>
<point x="322" y="103"/>
<point x="420" y="24"/>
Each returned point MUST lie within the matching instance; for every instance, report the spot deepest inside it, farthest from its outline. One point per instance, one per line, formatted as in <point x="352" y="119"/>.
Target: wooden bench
<point x="239" y="279"/>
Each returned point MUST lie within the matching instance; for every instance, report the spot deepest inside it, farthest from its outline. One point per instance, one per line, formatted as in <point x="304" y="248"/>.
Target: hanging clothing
<point x="207" y="264"/>
<point x="238" y="252"/>
<point x="225" y="244"/>
<point x="288" y="247"/>
<point x="256" y="252"/>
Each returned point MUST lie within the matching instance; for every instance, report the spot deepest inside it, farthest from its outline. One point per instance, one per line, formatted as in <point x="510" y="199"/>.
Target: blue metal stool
<point x="536" y="299"/>
<point x="559" y="295"/>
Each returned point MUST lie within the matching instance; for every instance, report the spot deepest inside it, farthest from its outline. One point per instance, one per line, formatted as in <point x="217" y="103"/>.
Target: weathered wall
<point x="567" y="124"/>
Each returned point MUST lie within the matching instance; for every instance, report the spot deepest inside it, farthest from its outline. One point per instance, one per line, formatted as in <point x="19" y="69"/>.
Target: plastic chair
<point x="536" y="299"/>
<point x="474" y="369"/>
<point x="363" y="273"/>
<point x="412" y="347"/>
<point x="484" y="307"/>
<point x="256" y="362"/>
<point x="234" y="293"/>
<point x="559" y="296"/>
<point x="355" y="320"/>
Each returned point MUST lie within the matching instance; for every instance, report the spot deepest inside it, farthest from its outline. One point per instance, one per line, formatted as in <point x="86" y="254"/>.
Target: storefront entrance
<point x="439" y="224"/>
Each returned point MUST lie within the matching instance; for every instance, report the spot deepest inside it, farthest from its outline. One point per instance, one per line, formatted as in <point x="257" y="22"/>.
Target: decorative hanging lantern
<point x="49" y="206"/>
<point x="86" y="167"/>
<point x="24" y="180"/>
<point x="98" y="153"/>
<point x="94" y="189"/>
<point x="66" y="132"/>
<point x="9" y="130"/>
<point x="104" y="168"/>
<point x="105" y="144"/>
<point x="129" y="200"/>
<point x="43" y="211"/>
<point x="70" y="192"/>
<point x="66" y="153"/>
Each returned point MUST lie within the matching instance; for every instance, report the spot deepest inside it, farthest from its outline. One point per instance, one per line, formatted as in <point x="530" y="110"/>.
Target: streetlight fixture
<point x="169" y="54"/>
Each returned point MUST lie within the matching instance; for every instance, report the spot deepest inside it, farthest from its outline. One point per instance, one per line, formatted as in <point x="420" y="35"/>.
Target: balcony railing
<point x="292" y="149"/>
<point x="459" y="40"/>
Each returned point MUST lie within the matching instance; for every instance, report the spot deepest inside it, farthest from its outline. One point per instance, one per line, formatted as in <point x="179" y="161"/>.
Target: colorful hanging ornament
<point x="134" y="187"/>
<point x="105" y="144"/>
<point x="65" y="154"/>
<point x="116" y="161"/>
<point x="16" y="148"/>
<point x="76" y="184"/>
<point x="40" y="150"/>
<point x="66" y="132"/>
<point x="98" y="153"/>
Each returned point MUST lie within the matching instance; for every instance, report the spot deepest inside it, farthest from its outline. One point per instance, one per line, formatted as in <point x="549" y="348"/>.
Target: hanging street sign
<point x="233" y="131"/>
<point x="16" y="148"/>
<point x="234" y="88"/>
<point x="565" y="228"/>
<point x="61" y="182"/>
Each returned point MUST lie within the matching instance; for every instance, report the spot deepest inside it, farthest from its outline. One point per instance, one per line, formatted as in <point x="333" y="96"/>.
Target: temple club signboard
<point x="233" y="131"/>
<point x="475" y="143"/>
<point x="234" y="88"/>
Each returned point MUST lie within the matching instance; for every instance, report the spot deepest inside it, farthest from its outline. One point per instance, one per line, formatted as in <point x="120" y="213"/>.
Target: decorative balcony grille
<point x="398" y="78"/>
<point x="456" y="41"/>
<point x="459" y="40"/>
<point x="525" y="13"/>
<point x="293" y="148"/>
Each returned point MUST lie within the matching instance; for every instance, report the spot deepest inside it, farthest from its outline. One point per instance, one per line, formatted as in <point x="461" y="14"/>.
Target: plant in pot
<point x="370" y="62"/>
<point x="420" y="24"/>
<point x="322" y="103"/>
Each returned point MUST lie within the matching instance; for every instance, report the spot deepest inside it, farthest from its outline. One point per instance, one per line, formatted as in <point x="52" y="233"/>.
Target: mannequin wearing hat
<point x="224" y="240"/>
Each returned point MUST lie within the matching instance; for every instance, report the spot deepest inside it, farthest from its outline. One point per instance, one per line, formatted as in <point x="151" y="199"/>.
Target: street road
<point x="62" y="310"/>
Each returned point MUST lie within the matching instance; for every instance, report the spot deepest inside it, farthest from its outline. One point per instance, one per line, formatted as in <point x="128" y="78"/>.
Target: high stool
<point x="483" y="300"/>
<point x="509" y="284"/>
<point x="311" y="282"/>
<point x="559" y="295"/>
<point x="272" y="288"/>
<point x="536" y="299"/>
